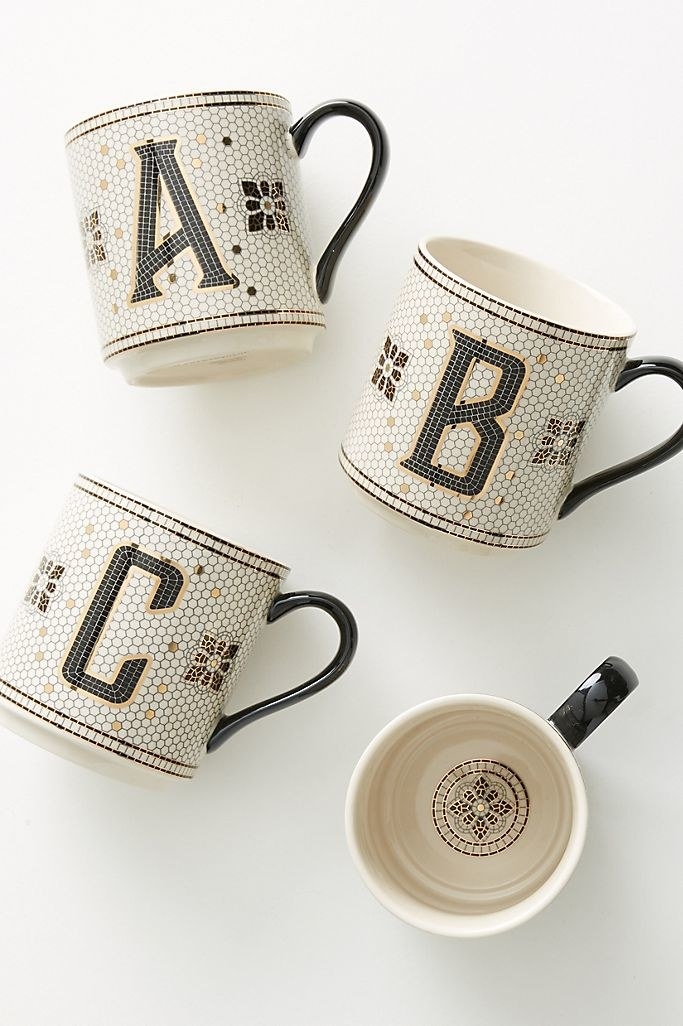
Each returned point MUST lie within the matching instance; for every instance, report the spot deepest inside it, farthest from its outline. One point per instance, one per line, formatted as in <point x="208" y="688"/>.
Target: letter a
<point x="449" y="409"/>
<point x="159" y="164"/>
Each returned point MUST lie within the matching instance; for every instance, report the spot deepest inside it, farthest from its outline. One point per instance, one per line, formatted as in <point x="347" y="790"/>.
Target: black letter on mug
<point x="448" y="410"/>
<point x="158" y="163"/>
<point x="130" y="671"/>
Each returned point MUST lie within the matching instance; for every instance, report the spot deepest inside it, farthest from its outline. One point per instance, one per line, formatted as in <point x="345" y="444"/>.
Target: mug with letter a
<point x="467" y="815"/>
<point x="486" y="384"/>
<point x="133" y="632"/>
<point x="195" y="234"/>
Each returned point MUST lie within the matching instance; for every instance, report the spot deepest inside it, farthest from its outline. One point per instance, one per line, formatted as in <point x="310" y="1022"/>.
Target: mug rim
<point x="436" y="921"/>
<point x="131" y="110"/>
<point x="162" y="515"/>
<point x="424" y="249"/>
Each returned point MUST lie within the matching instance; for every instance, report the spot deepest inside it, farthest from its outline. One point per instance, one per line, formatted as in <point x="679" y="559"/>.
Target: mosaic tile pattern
<point x="489" y="410"/>
<point x="192" y="218"/>
<point x="480" y="807"/>
<point x="139" y="644"/>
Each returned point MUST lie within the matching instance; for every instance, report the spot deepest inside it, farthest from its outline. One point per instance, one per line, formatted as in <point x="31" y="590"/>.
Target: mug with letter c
<point x="486" y="384"/>
<point x="195" y="234"/>
<point x="133" y="632"/>
<point x="467" y="815"/>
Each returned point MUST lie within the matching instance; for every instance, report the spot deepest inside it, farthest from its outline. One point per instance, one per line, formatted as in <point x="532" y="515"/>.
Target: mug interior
<point x="465" y="753"/>
<point x="530" y="287"/>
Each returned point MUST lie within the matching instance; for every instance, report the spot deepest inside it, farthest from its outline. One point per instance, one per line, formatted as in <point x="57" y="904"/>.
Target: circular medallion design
<point x="480" y="807"/>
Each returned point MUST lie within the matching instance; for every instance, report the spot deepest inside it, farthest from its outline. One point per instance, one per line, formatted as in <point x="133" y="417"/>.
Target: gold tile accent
<point x="559" y="378"/>
<point x="467" y="515"/>
<point x="116" y="725"/>
<point x="85" y="553"/>
<point x="423" y="318"/>
<point x="388" y="447"/>
<point x="118" y="232"/>
<point x="150" y="714"/>
<point x="499" y="501"/>
<point x="416" y="395"/>
<point x="173" y="646"/>
<point x="201" y="138"/>
<point x="123" y="525"/>
<point x="89" y="528"/>
<point x="542" y="358"/>
<point x="519" y="434"/>
<point x="70" y="603"/>
<point x="428" y="343"/>
<point x="162" y="689"/>
<point x="216" y="593"/>
<point x="113" y="274"/>
<point x="510" y="474"/>
<point x="48" y="688"/>
<point x="446" y="317"/>
<point x="405" y="488"/>
<point x="104" y="150"/>
<point x="42" y="631"/>
<point x="199" y="570"/>
<point x="39" y="657"/>
<point x="390" y="421"/>
<point x="221" y="208"/>
<point x="120" y="163"/>
<point x="104" y="184"/>
<point x="196" y="162"/>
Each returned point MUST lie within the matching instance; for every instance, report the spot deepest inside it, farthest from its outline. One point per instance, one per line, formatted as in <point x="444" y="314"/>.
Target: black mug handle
<point x="633" y="370"/>
<point x="378" y="169"/>
<point x="348" y="640"/>
<point x="594" y="700"/>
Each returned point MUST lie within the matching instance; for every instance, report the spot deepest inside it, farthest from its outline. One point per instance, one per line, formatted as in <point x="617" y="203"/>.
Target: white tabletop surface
<point x="232" y="899"/>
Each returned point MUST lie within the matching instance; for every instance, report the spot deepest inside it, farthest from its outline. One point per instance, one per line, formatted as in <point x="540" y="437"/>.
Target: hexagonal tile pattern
<point x="181" y="649"/>
<point x="234" y="154"/>
<point x="565" y="377"/>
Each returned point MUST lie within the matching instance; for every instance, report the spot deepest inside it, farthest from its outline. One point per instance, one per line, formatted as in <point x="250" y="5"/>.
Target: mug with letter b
<point x="195" y="234"/>
<point x="133" y="632"/>
<point x="491" y="373"/>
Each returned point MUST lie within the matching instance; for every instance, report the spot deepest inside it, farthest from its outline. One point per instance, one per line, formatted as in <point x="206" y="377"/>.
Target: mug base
<point x="216" y="355"/>
<point x="469" y="547"/>
<point x="80" y="751"/>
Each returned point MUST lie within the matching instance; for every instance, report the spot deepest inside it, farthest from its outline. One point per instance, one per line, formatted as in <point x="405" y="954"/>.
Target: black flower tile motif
<point x="481" y="808"/>
<point x="389" y="369"/>
<point x="211" y="661"/>
<point x="45" y="584"/>
<point x="266" y="205"/>
<point x="556" y="445"/>
<point x="92" y="231"/>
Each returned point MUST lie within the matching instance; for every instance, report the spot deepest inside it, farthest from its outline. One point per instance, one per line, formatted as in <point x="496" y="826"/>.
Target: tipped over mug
<point x="195" y="235"/>
<point x="133" y="632"/>
<point x="490" y="375"/>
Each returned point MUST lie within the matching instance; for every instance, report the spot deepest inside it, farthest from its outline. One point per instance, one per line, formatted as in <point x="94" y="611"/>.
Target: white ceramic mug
<point x="133" y="632"/>
<point x="487" y="381"/>
<point x="195" y="234"/>
<point x="467" y="814"/>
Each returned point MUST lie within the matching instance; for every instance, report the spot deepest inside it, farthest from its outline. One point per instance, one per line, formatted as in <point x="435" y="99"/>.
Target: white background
<point x="554" y="130"/>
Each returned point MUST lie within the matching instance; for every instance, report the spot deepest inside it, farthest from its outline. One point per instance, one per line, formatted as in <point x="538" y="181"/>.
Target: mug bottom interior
<point x="216" y="355"/>
<point x="79" y="750"/>
<point x="461" y="821"/>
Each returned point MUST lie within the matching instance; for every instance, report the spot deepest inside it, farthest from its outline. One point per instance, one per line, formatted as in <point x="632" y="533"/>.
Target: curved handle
<point x="594" y="700"/>
<point x="378" y="169"/>
<point x="633" y="370"/>
<point x="348" y="640"/>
